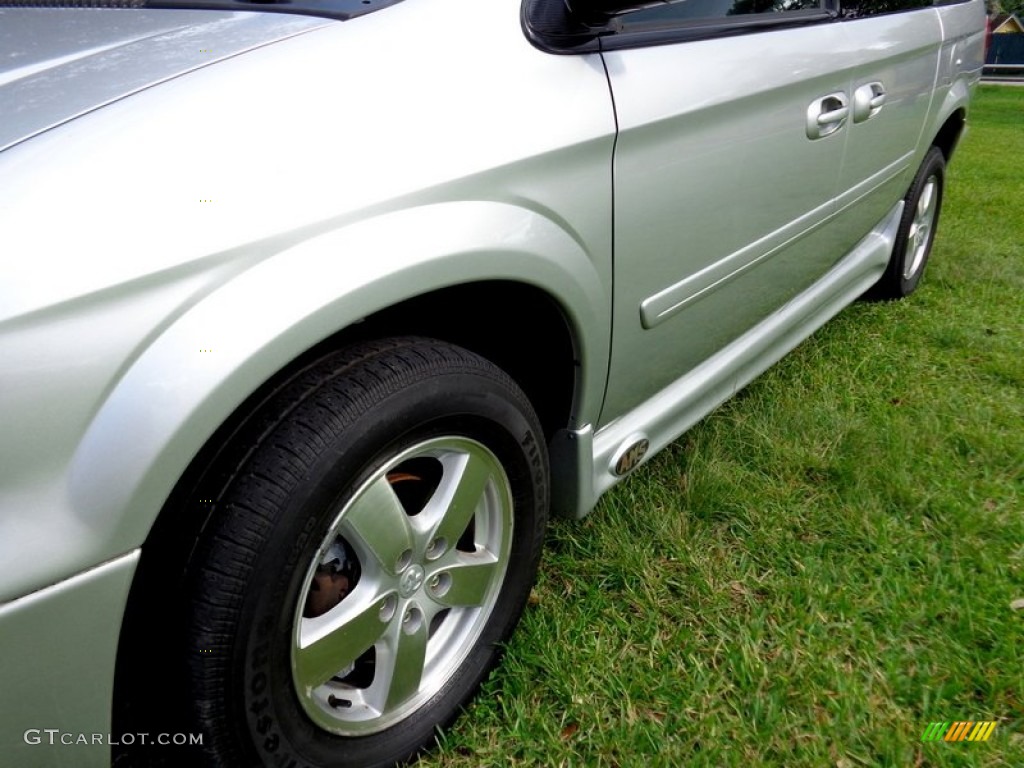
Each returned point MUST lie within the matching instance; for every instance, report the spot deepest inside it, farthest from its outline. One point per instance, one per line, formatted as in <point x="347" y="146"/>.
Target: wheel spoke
<point x="457" y="497"/>
<point x="924" y="204"/>
<point x="329" y="643"/>
<point x="470" y="579"/>
<point x="403" y="671"/>
<point x="914" y="242"/>
<point x="377" y="520"/>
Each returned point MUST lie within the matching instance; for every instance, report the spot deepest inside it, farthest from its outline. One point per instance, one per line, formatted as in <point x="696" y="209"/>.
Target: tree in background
<point x="1006" y="6"/>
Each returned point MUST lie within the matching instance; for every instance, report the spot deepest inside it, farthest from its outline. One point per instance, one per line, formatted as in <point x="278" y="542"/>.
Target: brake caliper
<point x="336" y="576"/>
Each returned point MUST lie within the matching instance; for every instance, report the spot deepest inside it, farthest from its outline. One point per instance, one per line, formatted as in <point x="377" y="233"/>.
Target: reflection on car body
<point x="313" y="312"/>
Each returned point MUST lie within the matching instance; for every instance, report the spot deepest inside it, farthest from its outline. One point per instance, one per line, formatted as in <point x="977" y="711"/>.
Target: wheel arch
<point x="470" y="285"/>
<point x="548" y="339"/>
<point x="436" y="314"/>
<point x="948" y="136"/>
<point x="165" y="553"/>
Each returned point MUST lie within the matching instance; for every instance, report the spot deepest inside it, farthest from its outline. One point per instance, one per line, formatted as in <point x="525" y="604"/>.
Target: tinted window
<point x="857" y="9"/>
<point x="683" y="10"/>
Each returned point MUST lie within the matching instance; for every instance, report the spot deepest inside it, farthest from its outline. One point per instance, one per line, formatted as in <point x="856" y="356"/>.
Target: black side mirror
<point x="572" y="26"/>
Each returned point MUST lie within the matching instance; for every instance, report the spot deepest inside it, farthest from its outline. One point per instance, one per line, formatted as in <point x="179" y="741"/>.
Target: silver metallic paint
<point x="471" y="156"/>
<point x="54" y="70"/>
<point x="111" y="395"/>
<point x="900" y="52"/>
<point x="58" y="646"/>
<point x="719" y="195"/>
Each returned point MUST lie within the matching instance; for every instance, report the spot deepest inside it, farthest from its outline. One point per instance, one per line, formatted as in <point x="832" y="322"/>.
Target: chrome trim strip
<point x="677" y="407"/>
<point x="663" y="305"/>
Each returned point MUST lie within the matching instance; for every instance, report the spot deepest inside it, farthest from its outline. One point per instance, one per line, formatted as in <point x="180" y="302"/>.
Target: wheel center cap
<point x="411" y="580"/>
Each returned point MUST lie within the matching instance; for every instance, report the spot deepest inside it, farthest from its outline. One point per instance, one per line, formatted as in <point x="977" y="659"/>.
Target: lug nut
<point x="436" y="548"/>
<point x="404" y="560"/>
<point x="440" y="584"/>
<point x="412" y="621"/>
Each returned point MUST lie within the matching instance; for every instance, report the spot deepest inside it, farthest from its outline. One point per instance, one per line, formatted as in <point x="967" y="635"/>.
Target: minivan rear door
<point x="891" y="93"/>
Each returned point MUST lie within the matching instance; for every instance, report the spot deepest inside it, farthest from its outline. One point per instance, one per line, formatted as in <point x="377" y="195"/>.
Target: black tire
<point x="916" y="232"/>
<point x="301" y="483"/>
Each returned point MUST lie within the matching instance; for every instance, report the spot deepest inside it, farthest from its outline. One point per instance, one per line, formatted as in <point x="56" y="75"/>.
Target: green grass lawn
<point x="824" y="565"/>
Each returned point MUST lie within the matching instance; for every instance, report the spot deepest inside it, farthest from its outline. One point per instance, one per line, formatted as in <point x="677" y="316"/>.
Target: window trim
<point x="644" y="34"/>
<point x="548" y="26"/>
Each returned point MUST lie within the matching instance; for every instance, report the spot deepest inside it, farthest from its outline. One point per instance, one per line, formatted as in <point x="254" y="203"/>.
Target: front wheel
<point x="374" y="543"/>
<point x="916" y="234"/>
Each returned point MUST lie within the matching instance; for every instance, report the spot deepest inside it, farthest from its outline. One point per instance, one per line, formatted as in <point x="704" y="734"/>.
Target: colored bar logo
<point x="959" y="731"/>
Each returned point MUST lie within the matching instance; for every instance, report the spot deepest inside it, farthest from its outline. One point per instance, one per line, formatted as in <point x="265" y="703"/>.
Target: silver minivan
<point x="313" y="311"/>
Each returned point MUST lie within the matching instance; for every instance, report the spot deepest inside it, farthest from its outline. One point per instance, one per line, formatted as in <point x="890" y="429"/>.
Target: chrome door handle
<point x="868" y="101"/>
<point x="827" y="115"/>
<point x="835" y="116"/>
